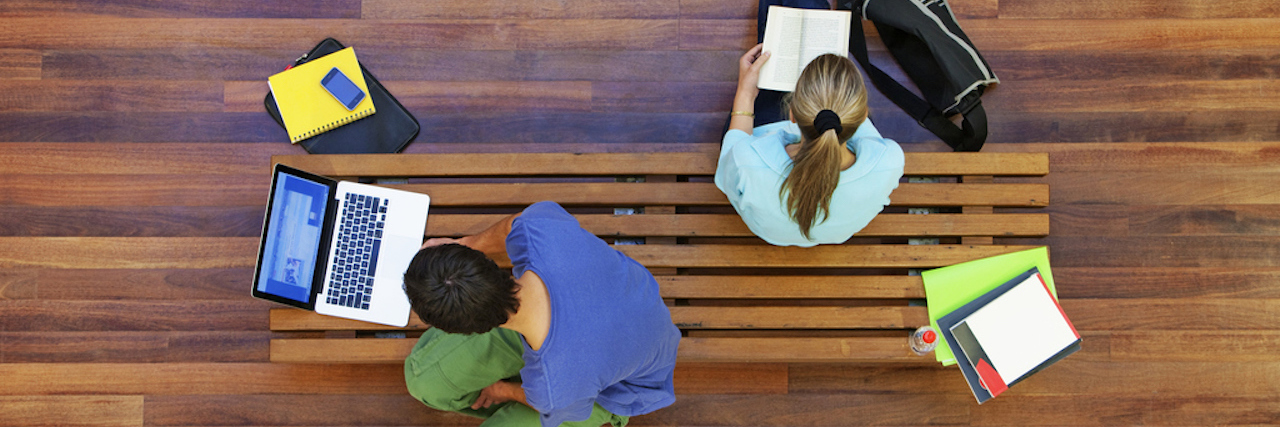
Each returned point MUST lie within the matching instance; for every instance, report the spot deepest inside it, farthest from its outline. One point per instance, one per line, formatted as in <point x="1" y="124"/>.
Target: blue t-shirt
<point x="611" y="340"/>
<point x="753" y="166"/>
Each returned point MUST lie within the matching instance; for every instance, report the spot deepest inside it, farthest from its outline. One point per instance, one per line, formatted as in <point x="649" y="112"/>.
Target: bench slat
<point x="706" y="194"/>
<point x="866" y="349"/>
<point x="789" y="287"/>
<point x="799" y="317"/>
<point x="822" y="256"/>
<point x="731" y="225"/>
<point x="586" y="164"/>
<point x="689" y="317"/>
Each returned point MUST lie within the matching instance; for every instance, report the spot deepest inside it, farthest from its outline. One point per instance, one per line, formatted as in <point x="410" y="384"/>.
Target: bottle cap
<point x="929" y="336"/>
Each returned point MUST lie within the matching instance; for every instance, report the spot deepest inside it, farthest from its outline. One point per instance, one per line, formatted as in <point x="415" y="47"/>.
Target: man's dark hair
<point x="459" y="289"/>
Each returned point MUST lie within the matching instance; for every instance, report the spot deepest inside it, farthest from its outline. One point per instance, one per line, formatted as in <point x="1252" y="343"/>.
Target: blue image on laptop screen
<point x="293" y="240"/>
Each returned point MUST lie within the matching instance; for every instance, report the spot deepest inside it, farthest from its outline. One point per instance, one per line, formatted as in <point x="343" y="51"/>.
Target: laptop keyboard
<point x="359" y="238"/>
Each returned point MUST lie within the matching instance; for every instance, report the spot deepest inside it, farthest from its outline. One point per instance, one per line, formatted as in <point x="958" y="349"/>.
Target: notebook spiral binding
<point x="345" y="120"/>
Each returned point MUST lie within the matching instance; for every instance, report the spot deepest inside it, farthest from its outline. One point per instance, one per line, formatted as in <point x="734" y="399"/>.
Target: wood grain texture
<point x="127" y="252"/>
<point x="135" y="190"/>
<point x="316" y="9"/>
<point x="298" y="409"/>
<point x="209" y="379"/>
<point x="130" y="96"/>
<point x="132" y="221"/>
<point x="1165" y="282"/>
<point x="136" y="159"/>
<point x="20" y="64"/>
<point x="137" y="284"/>
<point x="538" y="9"/>
<point x="98" y="411"/>
<point x="1135" y="410"/>
<point x="813" y="410"/>
<point x="86" y="316"/>
<point x="1097" y="9"/>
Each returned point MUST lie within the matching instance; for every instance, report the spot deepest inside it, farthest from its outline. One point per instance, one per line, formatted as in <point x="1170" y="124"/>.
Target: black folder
<point x="387" y="131"/>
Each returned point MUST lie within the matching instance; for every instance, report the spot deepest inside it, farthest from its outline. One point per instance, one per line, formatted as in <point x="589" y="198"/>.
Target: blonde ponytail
<point x="830" y="82"/>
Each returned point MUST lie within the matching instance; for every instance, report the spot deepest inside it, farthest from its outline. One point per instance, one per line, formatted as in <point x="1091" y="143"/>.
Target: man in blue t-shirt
<point x="579" y="336"/>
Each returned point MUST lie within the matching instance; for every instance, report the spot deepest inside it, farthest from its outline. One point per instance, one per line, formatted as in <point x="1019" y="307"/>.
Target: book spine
<point x="333" y="125"/>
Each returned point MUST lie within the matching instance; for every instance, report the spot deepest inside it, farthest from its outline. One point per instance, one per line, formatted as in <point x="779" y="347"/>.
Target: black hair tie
<point x="827" y="119"/>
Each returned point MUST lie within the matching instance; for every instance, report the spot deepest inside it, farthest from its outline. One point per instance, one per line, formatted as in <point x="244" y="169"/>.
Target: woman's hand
<point x="749" y="70"/>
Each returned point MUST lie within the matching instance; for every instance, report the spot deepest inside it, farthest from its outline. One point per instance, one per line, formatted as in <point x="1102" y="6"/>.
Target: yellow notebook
<point x="306" y="107"/>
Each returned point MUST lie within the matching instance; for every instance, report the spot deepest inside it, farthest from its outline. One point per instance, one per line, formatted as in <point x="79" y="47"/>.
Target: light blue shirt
<point x="752" y="168"/>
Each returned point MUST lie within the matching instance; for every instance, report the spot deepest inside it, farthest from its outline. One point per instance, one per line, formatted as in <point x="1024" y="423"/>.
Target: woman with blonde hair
<point x="816" y="175"/>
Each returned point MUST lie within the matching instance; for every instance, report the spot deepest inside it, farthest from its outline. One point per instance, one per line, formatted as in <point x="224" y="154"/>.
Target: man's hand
<point x="499" y="392"/>
<point x="438" y="241"/>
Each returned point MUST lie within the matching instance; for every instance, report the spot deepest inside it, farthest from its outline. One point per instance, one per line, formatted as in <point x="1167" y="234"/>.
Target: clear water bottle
<point x="924" y="340"/>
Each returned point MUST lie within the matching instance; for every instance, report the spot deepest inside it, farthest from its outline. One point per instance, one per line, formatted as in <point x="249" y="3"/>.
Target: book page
<point x="1021" y="329"/>
<point x="825" y="31"/>
<point x="782" y="40"/>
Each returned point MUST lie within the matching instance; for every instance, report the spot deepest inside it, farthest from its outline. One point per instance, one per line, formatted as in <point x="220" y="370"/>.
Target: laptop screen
<point x="293" y="235"/>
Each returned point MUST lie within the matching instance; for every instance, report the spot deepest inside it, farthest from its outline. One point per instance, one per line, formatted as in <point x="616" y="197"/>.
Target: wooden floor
<point x="134" y="167"/>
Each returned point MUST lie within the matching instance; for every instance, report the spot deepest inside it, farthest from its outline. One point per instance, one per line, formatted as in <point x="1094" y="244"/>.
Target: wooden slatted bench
<point x="734" y="297"/>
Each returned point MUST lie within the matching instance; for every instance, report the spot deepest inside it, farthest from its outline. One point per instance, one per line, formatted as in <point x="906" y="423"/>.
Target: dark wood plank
<point x="813" y="410"/>
<point x="1166" y="282"/>
<point x="298" y="34"/>
<point x="1194" y="346"/>
<point x="128" y="252"/>
<point x="298" y="409"/>
<point x="141" y="159"/>
<point x="390" y="64"/>
<point x="132" y="221"/>
<point x="1067" y="378"/>
<point x="136" y="190"/>
<point x="51" y="316"/>
<point x="718" y="34"/>
<point x="630" y="34"/>
<point x="1160" y="251"/>
<point x="731" y="378"/>
<point x="784" y="287"/>
<point x="1130" y="410"/>
<point x="167" y="379"/>
<point x="537" y="9"/>
<point x="1173" y="126"/>
<point x="1058" y="95"/>
<point x="135" y="347"/>
<point x="18" y="284"/>
<point x="127" y="96"/>
<point x="20" y="64"/>
<point x="1172" y="314"/>
<point x="1101" y="9"/>
<point x="1155" y="66"/>
<point x="689" y="97"/>
<point x="104" y="411"/>
<point x="1243" y="157"/>
<point x="136" y="284"/>
<point x="711" y="9"/>
<point x="315" y="9"/>
<point x="139" y="127"/>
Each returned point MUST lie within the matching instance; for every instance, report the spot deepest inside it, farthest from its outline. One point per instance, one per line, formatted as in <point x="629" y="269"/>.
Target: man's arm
<point x="501" y="391"/>
<point x="492" y="241"/>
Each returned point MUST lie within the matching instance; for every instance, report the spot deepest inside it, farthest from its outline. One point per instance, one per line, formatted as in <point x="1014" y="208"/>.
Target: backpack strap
<point x="968" y="137"/>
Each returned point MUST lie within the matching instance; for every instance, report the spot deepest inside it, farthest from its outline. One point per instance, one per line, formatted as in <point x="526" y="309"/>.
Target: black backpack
<point x="926" y="41"/>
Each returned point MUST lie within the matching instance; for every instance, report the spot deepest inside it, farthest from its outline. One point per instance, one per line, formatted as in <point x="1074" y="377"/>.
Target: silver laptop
<point x="339" y="248"/>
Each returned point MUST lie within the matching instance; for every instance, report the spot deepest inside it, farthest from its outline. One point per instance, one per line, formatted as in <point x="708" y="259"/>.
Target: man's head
<point x="459" y="289"/>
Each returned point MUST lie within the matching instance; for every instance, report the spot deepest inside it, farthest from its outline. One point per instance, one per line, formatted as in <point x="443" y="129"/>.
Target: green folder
<point x="949" y="288"/>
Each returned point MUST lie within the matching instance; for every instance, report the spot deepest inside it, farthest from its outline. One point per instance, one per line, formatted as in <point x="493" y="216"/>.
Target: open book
<point x="794" y="37"/>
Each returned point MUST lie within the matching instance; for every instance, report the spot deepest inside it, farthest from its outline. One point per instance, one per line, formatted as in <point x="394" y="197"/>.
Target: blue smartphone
<point x="342" y="89"/>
